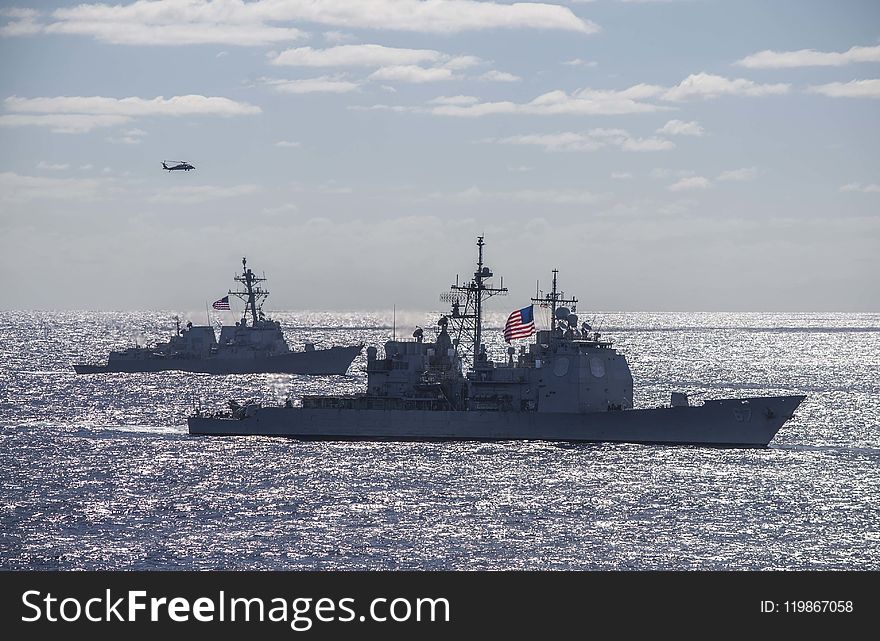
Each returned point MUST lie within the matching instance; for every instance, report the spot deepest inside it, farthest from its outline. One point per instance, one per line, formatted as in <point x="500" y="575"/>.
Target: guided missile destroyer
<point x="570" y="384"/>
<point x="255" y="345"/>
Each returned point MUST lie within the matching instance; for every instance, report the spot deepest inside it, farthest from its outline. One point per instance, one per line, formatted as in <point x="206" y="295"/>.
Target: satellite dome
<point x="573" y="320"/>
<point x="562" y="313"/>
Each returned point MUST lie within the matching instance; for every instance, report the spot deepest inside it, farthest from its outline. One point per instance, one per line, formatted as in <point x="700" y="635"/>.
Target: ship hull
<point x="750" y="422"/>
<point x="335" y="360"/>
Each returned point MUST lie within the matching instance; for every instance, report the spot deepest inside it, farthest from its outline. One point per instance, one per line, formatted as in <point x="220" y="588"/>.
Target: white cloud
<point x="285" y="208"/>
<point x="591" y="101"/>
<point x="26" y="27"/>
<point x="589" y="141"/>
<point x="129" y="137"/>
<point x="739" y="175"/>
<point x="625" y="141"/>
<point x="707" y="85"/>
<point x="23" y="22"/>
<point x="369" y="55"/>
<point x="678" y="207"/>
<point x="581" y="102"/>
<point x="392" y="64"/>
<point x="549" y="196"/>
<point x="222" y="54"/>
<point x="337" y="37"/>
<point x="201" y="193"/>
<point x="499" y="76"/>
<point x="17" y="188"/>
<point x="63" y="123"/>
<point x="287" y="143"/>
<point x="86" y="167"/>
<point x="646" y="144"/>
<point x="249" y="23"/>
<point x="79" y="114"/>
<point x="577" y="62"/>
<point x="381" y="107"/>
<point x="670" y="173"/>
<point x="688" y="181"/>
<point x="809" y="58"/>
<point x="621" y="175"/>
<point x="851" y="89"/>
<point x="454" y="100"/>
<point x="692" y="182"/>
<point x="52" y="166"/>
<point x="681" y="128"/>
<point x="19" y="12"/>
<point x="553" y="196"/>
<point x="617" y="102"/>
<point x="322" y="84"/>
<point x="566" y="141"/>
<point x="411" y="74"/>
<point x="462" y="62"/>
<point x="865" y="189"/>
<point x="189" y="105"/>
<point x="168" y="31"/>
<point x="125" y="140"/>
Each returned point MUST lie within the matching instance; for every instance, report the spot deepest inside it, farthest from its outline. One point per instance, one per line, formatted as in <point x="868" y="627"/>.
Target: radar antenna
<point x="253" y="296"/>
<point x="467" y="307"/>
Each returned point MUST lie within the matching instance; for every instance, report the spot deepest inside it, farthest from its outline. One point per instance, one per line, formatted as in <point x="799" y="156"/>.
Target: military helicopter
<point x="181" y="164"/>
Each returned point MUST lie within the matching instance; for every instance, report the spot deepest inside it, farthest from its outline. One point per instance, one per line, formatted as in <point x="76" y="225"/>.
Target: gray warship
<point x="570" y="384"/>
<point x="255" y="347"/>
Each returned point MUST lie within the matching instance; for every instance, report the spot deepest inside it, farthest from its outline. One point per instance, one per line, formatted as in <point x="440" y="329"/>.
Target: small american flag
<point x="520" y="324"/>
<point x="223" y="303"/>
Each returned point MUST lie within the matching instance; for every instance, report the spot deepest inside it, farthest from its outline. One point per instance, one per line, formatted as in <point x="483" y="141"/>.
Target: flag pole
<point x="207" y="313"/>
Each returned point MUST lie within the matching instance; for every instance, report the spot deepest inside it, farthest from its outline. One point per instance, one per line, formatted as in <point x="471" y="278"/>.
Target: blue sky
<point x="664" y="155"/>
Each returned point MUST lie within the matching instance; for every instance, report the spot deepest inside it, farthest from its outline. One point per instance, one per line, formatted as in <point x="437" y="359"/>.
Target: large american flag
<point x="520" y="324"/>
<point x="223" y="303"/>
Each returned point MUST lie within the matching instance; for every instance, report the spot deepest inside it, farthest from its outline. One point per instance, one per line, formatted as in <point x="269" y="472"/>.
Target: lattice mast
<point x="554" y="299"/>
<point x="467" y="306"/>
<point x="254" y="295"/>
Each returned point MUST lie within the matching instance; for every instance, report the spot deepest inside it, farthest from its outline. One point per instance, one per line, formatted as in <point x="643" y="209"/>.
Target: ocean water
<point x="98" y="472"/>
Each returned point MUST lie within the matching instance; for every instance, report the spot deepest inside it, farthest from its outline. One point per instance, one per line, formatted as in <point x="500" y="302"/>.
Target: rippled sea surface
<point x="98" y="472"/>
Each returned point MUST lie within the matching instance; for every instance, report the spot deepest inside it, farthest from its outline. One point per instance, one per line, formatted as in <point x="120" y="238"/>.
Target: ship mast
<point x="469" y="321"/>
<point x="554" y="299"/>
<point x="253" y="295"/>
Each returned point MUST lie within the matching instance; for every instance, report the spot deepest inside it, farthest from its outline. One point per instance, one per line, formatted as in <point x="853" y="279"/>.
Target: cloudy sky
<point x="664" y="155"/>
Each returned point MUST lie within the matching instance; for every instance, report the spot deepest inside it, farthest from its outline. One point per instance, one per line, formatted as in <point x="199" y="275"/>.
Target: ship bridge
<point x="568" y="368"/>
